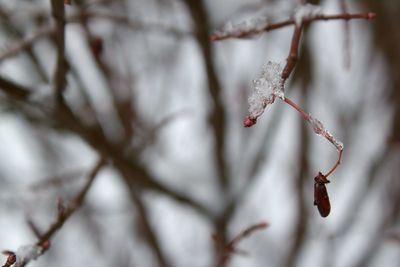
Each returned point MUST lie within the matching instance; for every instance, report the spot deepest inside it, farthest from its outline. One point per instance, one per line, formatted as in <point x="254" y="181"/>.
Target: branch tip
<point x="371" y="15"/>
<point x="249" y="121"/>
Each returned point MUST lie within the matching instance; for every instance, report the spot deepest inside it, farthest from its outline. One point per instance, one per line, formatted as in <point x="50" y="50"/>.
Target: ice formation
<point x="306" y="11"/>
<point x="266" y="89"/>
<point x="247" y="28"/>
<point x="319" y="129"/>
<point x="27" y="253"/>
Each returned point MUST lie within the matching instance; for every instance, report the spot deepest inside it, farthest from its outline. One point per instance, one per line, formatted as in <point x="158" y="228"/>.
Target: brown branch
<point x="58" y="13"/>
<point x="218" y="117"/>
<point x="43" y="243"/>
<point x="244" y="34"/>
<point x="231" y="247"/>
<point x="149" y="233"/>
<point x="25" y="43"/>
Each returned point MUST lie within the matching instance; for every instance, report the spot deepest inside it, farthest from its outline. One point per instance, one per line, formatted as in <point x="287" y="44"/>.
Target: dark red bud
<point x="249" y="121"/>
<point x="45" y="245"/>
<point x="321" y="198"/>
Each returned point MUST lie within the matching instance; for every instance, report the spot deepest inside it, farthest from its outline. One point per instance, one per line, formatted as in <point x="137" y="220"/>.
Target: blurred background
<point x="147" y="90"/>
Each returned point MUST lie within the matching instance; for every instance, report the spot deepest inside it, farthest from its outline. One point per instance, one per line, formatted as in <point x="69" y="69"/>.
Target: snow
<point x="266" y="89"/>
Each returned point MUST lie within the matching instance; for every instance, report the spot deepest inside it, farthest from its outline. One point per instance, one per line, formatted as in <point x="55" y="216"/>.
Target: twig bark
<point x="270" y="27"/>
<point x="58" y="13"/>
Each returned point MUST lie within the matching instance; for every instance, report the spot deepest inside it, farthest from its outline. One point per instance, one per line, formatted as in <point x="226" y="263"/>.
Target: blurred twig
<point x="270" y="27"/>
<point x="64" y="213"/>
<point x="58" y="13"/>
<point x="231" y="247"/>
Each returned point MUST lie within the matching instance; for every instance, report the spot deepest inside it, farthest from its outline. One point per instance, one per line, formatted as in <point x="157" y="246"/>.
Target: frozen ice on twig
<point x="266" y="89"/>
<point x="319" y="129"/>
<point x="247" y="28"/>
<point x="28" y="253"/>
<point x="306" y="11"/>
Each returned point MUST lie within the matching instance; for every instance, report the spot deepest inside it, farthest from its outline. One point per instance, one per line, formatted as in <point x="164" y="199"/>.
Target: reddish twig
<point x="306" y="116"/>
<point x="231" y="246"/>
<point x="293" y="53"/>
<point x="76" y="203"/>
<point x="270" y="27"/>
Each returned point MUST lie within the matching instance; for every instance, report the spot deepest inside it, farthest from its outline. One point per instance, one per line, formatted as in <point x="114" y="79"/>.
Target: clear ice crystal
<point x="266" y="88"/>
<point x="319" y="129"/>
<point x="306" y="11"/>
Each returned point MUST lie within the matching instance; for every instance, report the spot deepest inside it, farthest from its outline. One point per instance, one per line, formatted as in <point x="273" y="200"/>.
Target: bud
<point x="321" y="198"/>
<point x="249" y="121"/>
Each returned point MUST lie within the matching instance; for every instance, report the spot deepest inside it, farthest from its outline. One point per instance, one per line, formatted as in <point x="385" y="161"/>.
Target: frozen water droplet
<point x="319" y="129"/>
<point x="317" y="126"/>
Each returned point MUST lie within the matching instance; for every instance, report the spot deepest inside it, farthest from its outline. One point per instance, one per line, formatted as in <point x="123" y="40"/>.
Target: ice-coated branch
<point x="319" y="129"/>
<point x="251" y="30"/>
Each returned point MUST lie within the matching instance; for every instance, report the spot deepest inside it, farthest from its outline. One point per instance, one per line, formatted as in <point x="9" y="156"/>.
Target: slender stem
<point x="304" y="114"/>
<point x="339" y="160"/>
<point x="293" y="54"/>
<point x="243" y="34"/>
<point x="58" y="12"/>
<point x="307" y="117"/>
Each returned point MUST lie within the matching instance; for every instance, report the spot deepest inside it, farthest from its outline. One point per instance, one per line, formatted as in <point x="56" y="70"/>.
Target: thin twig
<point x="270" y="27"/>
<point x="339" y="160"/>
<point x="43" y="243"/>
<point x="306" y="116"/>
<point x="76" y="203"/>
<point x="231" y="246"/>
<point x="25" y="43"/>
<point x="293" y="53"/>
<point x="58" y="13"/>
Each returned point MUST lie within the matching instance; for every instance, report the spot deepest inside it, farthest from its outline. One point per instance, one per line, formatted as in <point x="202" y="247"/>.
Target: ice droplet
<point x="317" y="126"/>
<point x="319" y="129"/>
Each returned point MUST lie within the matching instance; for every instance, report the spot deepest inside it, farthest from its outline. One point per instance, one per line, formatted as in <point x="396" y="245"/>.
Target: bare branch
<point x="25" y="43"/>
<point x="218" y="36"/>
<point x="231" y="247"/>
<point x="32" y="252"/>
<point x="58" y="13"/>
